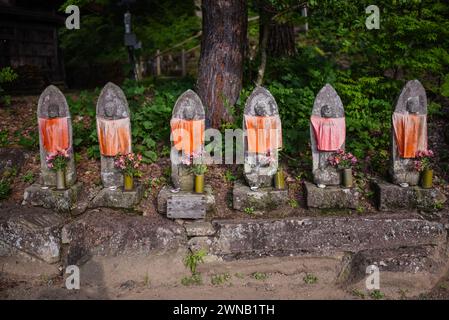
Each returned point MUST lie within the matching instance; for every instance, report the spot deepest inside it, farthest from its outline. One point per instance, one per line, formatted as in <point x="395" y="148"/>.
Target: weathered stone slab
<point x="390" y="197"/>
<point x="186" y="206"/>
<point x="260" y="199"/>
<point x="108" y="233"/>
<point x="199" y="228"/>
<point x="50" y="198"/>
<point x="165" y="193"/>
<point x="331" y="197"/>
<point x="36" y="232"/>
<point x="321" y="235"/>
<point x="118" y="198"/>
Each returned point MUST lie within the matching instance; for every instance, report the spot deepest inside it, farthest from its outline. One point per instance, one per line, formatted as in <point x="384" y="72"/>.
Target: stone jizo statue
<point x="327" y="135"/>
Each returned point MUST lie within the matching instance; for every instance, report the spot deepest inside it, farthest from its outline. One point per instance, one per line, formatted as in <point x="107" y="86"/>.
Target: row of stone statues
<point x="262" y="142"/>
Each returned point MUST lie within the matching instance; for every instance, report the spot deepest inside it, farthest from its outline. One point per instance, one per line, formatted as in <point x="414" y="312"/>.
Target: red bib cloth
<point x="264" y="134"/>
<point x="114" y="136"/>
<point x="330" y="133"/>
<point x="410" y="132"/>
<point x="54" y="134"/>
<point x="187" y="135"/>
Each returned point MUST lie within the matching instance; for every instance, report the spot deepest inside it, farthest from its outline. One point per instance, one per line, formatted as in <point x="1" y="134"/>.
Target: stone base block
<point x="260" y="199"/>
<point x="166" y="193"/>
<point x="118" y="198"/>
<point x="50" y="198"/>
<point x="331" y="197"/>
<point x="36" y="232"/>
<point x="391" y="197"/>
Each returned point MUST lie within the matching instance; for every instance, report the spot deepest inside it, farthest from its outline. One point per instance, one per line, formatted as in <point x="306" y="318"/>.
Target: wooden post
<point x="158" y="63"/>
<point x="304" y="14"/>
<point x="183" y="63"/>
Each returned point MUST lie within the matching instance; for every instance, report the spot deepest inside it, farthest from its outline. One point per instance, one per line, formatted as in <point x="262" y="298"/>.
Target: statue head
<point x="261" y="108"/>
<point x="412" y="105"/>
<point x="53" y="111"/>
<point x="109" y="109"/>
<point x="189" y="111"/>
<point x="326" y="111"/>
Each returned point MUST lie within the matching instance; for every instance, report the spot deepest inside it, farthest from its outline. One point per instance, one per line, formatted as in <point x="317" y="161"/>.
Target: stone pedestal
<point x="392" y="197"/>
<point x="261" y="199"/>
<point x="184" y="204"/>
<point x="59" y="200"/>
<point x="331" y="197"/>
<point x="118" y="198"/>
<point x="36" y="232"/>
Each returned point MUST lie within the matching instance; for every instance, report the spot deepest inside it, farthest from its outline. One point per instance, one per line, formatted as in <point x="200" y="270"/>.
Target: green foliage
<point x="310" y="278"/>
<point x="5" y="188"/>
<point x="193" y="259"/>
<point x="7" y="75"/>
<point x="376" y="294"/>
<point x="194" y="279"/>
<point x="4" y="140"/>
<point x="28" y="177"/>
<point x="260" y="275"/>
<point x="219" y="279"/>
<point x="249" y="211"/>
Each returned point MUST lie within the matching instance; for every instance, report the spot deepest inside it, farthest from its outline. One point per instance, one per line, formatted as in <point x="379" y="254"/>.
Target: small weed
<point x="403" y="293"/>
<point x="310" y="278"/>
<point x="249" y="211"/>
<point x="194" y="279"/>
<point x="239" y="275"/>
<point x="259" y="276"/>
<point x="146" y="280"/>
<point x="293" y="203"/>
<point x="218" y="279"/>
<point x="376" y="294"/>
<point x="5" y="188"/>
<point x="4" y="141"/>
<point x="28" y="177"/>
<point x="229" y="176"/>
<point x="360" y="209"/>
<point x="358" y="293"/>
<point x="192" y="259"/>
<point x="444" y="286"/>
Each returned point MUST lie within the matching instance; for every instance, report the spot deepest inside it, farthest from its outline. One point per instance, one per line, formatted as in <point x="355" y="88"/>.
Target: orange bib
<point x="264" y="134"/>
<point x="330" y="133"/>
<point x="410" y="131"/>
<point x="54" y="134"/>
<point x="114" y="136"/>
<point x="187" y="135"/>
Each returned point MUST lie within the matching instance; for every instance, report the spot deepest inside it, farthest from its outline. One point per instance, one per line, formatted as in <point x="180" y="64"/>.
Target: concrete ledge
<point x="59" y="200"/>
<point x="260" y="199"/>
<point x="331" y="197"/>
<point x="321" y="235"/>
<point x="118" y="198"/>
<point x="36" y="232"/>
<point x="390" y="197"/>
<point x="113" y="233"/>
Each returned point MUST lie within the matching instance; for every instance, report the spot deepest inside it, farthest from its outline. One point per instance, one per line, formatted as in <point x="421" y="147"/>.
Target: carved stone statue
<point x="114" y="132"/>
<point x="327" y="135"/>
<point x="55" y="133"/>
<point x="187" y="135"/>
<point x="409" y="133"/>
<point x="263" y="138"/>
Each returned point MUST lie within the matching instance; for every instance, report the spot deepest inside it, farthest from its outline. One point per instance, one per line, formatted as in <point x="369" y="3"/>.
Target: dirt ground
<point x="160" y="277"/>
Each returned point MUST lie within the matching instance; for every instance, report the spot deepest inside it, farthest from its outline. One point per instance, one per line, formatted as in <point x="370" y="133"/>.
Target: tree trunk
<point x="281" y="40"/>
<point x="221" y="61"/>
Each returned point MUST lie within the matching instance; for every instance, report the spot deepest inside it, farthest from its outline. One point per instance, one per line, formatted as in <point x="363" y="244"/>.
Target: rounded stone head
<point x="412" y="105"/>
<point x="261" y="108"/>
<point x="109" y="109"/>
<point x="326" y="111"/>
<point x="189" y="111"/>
<point x="53" y="111"/>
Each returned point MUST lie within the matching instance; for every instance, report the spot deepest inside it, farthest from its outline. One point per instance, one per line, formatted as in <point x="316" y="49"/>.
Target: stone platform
<point x="185" y="205"/>
<point x="392" y="197"/>
<point x="35" y="232"/>
<point x="331" y="197"/>
<point x="260" y="199"/>
<point x="50" y="198"/>
<point x="118" y="198"/>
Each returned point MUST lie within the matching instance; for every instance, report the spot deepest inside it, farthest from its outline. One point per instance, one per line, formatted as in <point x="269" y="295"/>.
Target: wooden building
<point x="29" y="41"/>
